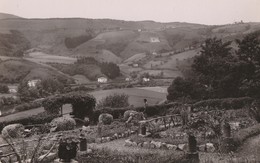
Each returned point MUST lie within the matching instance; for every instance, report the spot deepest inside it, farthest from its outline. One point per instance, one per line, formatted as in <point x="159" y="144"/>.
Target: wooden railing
<point x="161" y="123"/>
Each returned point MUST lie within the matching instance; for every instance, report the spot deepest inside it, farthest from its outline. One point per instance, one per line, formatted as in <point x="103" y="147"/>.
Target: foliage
<point x="127" y="114"/>
<point x="63" y="123"/>
<point x="254" y="111"/>
<point x="40" y="118"/>
<point x="28" y="106"/>
<point x="224" y="104"/>
<point x="73" y="42"/>
<point x="82" y="103"/>
<point x="108" y="156"/>
<point x="13" y="44"/>
<point x="105" y="119"/>
<point x="114" y="101"/>
<point x="111" y="70"/>
<point x="4" y="88"/>
<point x="13" y="131"/>
<point x="44" y="88"/>
<point x="219" y="72"/>
<point x="9" y="101"/>
<point x="87" y="60"/>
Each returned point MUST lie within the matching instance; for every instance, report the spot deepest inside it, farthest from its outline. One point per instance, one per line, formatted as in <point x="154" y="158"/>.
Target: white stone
<point x="182" y="147"/>
<point x="171" y="147"/>
<point x="210" y="147"/>
<point x="128" y="143"/>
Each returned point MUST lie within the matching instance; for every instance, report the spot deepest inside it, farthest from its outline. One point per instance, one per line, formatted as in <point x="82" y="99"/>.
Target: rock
<point x="140" y="144"/>
<point x="89" y="151"/>
<point x="210" y="147"/>
<point x="152" y="145"/>
<point x="182" y="147"/>
<point x="116" y="135"/>
<point x="163" y="134"/>
<point x="202" y="148"/>
<point x="134" y="144"/>
<point x="128" y="143"/>
<point x="122" y="135"/>
<point x="158" y="145"/>
<point x="146" y="144"/>
<point x="108" y="139"/>
<point x="171" y="147"/>
<point x="132" y="132"/>
<point x="164" y="146"/>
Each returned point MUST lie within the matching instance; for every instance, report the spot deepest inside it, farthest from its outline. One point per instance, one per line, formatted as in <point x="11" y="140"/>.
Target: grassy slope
<point x="13" y="71"/>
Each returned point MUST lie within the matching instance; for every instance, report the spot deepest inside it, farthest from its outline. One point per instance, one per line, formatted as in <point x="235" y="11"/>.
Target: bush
<point x="63" y="123"/>
<point x="227" y="103"/>
<point x="4" y="88"/>
<point x="105" y="118"/>
<point x="114" y="101"/>
<point x="40" y="118"/>
<point x="28" y="106"/>
<point x="82" y="103"/>
<point x="128" y="112"/>
<point x="13" y="131"/>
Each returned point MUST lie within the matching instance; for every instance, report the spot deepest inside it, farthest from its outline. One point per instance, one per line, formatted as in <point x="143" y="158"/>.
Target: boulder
<point x="182" y="147"/>
<point x="171" y="147"/>
<point x="128" y="143"/>
<point x="210" y="147"/>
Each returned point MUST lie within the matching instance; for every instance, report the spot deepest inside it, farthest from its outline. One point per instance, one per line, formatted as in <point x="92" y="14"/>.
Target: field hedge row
<point x="224" y="104"/>
<point x="40" y="118"/>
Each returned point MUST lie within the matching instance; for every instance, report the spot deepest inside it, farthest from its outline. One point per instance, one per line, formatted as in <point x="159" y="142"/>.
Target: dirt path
<point x="250" y="148"/>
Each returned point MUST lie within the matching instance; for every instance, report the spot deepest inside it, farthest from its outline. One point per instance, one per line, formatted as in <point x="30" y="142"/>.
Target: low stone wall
<point x="208" y="147"/>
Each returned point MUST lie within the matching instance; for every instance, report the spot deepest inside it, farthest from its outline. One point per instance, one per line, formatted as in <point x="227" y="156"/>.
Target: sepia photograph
<point x="129" y="81"/>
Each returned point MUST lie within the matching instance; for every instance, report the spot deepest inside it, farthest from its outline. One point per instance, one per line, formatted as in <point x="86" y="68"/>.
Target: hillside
<point x="157" y="48"/>
<point x="17" y="70"/>
<point x="8" y="16"/>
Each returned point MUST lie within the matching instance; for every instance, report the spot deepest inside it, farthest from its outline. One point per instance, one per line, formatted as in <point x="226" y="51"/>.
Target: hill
<point x="8" y="16"/>
<point x="17" y="70"/>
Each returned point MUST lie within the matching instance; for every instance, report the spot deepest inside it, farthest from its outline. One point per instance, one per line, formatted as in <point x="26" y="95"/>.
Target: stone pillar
<point x="142" y="128"/>
<point x="227" y="143"/>
<point x="83" y="144"/>
<point x="193" y="154"/>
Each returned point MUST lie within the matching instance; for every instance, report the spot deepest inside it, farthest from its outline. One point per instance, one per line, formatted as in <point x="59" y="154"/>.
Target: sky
<point x="211" y="12"/>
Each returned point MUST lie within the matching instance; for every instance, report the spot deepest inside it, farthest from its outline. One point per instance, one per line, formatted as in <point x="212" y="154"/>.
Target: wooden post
<point x="193" y="154"/>
<point x="61" y="111"/>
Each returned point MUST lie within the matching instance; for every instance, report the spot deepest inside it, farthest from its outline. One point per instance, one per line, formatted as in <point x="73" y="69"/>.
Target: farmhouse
<point x="102" y="79"/>
<point x="154" y="39"/>
<point x="32" y="83"/>
<point x="12" y="88"/>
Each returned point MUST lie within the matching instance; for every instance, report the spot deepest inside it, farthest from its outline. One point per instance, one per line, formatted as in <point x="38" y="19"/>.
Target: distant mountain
<point x="8" y="16"/>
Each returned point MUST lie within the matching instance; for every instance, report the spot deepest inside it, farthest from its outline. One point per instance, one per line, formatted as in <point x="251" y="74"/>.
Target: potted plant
<point x="68" y="147"/>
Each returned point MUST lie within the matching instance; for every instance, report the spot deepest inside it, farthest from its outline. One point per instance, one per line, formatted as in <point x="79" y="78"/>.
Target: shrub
<point x="13" y="131"/>
<point x="254" y="111"/>
<point x="63" y="123"/>
<point x="105" y="118"/>
<point x="114" y="101"/>
<point x="40" y="118"/>
<point x="4" y="88"/>
<point x="82" y="103"/>
<point x="128" y="112"/>
<point x="28" y="106"/>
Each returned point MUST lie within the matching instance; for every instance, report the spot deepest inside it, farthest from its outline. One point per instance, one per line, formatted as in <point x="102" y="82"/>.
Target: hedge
<point x="28" y="106"/>
<point x="152" y="110"/>
<point x="246" y="133"/>
<point x="226" y="104"/>
<point x="40" y="118"/>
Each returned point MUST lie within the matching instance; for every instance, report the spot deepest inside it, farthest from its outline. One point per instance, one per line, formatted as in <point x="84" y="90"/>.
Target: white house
<point x="146" y="79"/>
<point x="32" y="83"/>
<point x="154" y="39"/>
<point x="12" y="88"/>
<point x="102" y="79"/>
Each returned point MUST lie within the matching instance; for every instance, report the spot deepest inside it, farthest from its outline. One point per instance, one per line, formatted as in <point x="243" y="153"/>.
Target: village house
<point x="12" y="88"/>
<point x="33" y="83"/>
<point x="102" y="79"/>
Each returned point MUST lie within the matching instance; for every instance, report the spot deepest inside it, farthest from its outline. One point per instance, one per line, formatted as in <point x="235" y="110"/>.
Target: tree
<point x="111" y="70"/>
<point x="114" y="101"/>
